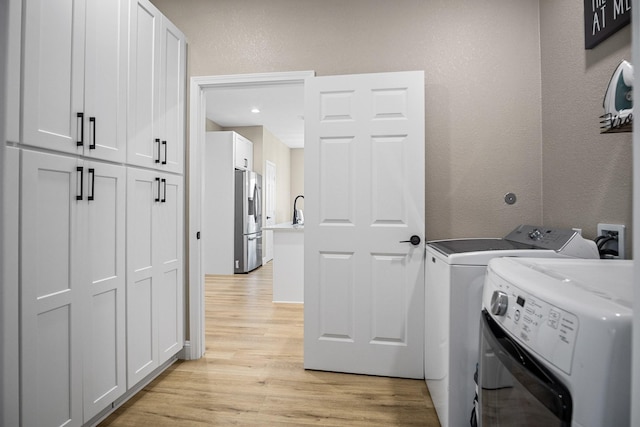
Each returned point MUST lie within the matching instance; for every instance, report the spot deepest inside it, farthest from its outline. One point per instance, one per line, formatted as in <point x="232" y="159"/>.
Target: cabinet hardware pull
<point x="164" y="162"/>
<point x="80" y="141"/>
<point x="164" y="194"/>
<point x="81" y="179"/>
<point x="158" y="141"/>
<point x="92" y="123"/>
<point x="158" y="182"/>
<point x="92" y="180"/>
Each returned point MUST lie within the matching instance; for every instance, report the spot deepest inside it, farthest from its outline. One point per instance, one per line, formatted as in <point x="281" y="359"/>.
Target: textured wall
<point x="482" y="80"/>
<point x="587" y="176"/>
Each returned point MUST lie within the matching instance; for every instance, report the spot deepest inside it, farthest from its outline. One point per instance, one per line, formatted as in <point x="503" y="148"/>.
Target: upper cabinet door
<point x="53" y="73"/>
<point x="143" y="143"/>
<point x="75" y="76"/>
<point x="105" y="89"/>
<point x="172" y="96"/>
<point x="157" y="90"/>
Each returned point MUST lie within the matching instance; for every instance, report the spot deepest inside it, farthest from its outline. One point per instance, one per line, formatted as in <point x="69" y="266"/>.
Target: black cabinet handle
<point x="158" y="182"/>
<point x="80" y="141"/>
<point x="164" y="162"/>
<point x="92" y="123"/>
<point x="81" y="179"/>
<point x="158" y="142"/>
<point x="164" y="194"/>
<point x="92" y="180"/>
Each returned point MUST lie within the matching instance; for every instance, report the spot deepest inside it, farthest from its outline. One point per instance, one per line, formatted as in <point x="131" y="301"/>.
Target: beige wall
<point x="297" y="177"/>
<point x="587" y="176"/>
<point x="212" y="126"/>
<point x="279" y="154"/>
<point x="484" y="81"/>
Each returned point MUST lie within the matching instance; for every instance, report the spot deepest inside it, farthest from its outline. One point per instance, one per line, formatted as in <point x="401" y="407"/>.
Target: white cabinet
<point x="103" y="299"/>
<point x="155" y="291"/>
<point x="9" y="276"/>
<point x="84" y="63"/>
<point x="243" y="152"/>
<point x="72" y="288"/>
<point x="12" y="94"/>
<point x="75" y="76"/>
<point x="157" y="86"/>
<point x="220" y="160"/>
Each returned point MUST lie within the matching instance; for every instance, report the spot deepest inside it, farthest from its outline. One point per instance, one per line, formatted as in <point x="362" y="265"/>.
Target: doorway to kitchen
<point x="195" y="347"/>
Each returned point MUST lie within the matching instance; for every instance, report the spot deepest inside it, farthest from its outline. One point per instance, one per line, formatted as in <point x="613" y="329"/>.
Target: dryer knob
<point x="499" y="303"/>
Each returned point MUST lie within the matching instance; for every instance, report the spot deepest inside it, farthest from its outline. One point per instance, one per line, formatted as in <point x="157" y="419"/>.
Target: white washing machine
<point x="455" y="271"/>
<point x="556" y="343"/>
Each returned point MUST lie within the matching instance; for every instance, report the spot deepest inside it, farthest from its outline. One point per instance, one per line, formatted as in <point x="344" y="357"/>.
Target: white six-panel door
<point x="364" y="196"/>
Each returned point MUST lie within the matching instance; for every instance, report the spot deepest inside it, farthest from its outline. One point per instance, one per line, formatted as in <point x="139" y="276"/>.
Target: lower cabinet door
<point x="50" y="292"/>
<point x="142" y="199"/>
<point x="72" y="339"/>
<point x="155" y="285"/>
<point x="170" y="289"/>
<point x="104" y="289"/>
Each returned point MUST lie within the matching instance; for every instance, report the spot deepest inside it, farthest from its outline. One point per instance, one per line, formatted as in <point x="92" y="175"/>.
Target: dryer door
<point x="515" y="389"/>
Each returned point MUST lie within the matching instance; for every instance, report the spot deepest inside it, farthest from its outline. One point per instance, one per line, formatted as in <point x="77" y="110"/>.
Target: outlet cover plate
<point x="617" y="228"/>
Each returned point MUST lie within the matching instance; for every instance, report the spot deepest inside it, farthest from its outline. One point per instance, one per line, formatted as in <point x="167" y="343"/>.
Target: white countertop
<point x="284" y="226"/>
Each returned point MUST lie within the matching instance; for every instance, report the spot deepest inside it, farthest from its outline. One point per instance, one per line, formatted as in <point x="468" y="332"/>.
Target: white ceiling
<point x="281" y="109"/>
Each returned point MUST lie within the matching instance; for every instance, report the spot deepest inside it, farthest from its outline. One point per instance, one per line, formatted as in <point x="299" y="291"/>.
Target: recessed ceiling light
<point x="255" y="110"/>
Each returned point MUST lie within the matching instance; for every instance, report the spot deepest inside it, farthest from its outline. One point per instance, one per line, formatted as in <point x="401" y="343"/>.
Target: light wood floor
<point x="252" y="374"/>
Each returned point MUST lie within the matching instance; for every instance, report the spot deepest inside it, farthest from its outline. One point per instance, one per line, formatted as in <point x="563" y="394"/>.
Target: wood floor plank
<point x="252" y="374"/>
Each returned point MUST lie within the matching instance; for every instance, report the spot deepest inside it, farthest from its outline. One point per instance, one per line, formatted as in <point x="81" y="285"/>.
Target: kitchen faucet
<point x="296" y="218"/>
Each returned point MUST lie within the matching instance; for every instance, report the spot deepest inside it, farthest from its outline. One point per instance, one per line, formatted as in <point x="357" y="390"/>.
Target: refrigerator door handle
<point x="256" y="201"/>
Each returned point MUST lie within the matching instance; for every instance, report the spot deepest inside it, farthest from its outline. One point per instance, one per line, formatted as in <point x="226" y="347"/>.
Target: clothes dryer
<point x="455" y="271"/>
<point x="555" y="345"/>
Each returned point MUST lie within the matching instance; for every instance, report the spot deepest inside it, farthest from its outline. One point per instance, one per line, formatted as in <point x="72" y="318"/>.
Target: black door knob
<point x="414" y="240"/>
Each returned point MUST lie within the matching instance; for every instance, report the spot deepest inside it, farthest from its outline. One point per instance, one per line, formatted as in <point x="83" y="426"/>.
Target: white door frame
<point x="195" y="347"/>
<point x="269" y="201"/>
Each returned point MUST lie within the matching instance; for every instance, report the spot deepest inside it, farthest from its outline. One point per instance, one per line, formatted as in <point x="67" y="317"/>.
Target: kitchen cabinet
<point x="157" y="86"/>
<point x="155" y="291"/>
<point x="75" y="76"/>
<point x="243" y="152"/>
<point x="72" y="288"/>
<point x="220" y="160"/>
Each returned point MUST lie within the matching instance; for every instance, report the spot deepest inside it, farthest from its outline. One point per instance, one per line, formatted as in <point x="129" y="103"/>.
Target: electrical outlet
<point x="616" y="230"/>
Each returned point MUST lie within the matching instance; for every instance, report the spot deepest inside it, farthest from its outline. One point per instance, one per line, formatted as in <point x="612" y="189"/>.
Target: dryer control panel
<point x="545" y="329"/>
<point x="565" y="241"/>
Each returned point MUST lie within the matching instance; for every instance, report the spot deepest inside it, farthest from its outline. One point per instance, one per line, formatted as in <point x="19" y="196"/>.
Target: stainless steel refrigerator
<point x="248" y="221"/>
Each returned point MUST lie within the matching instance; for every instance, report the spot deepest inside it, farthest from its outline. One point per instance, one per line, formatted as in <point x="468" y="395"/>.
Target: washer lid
<point x="449" y="247"/>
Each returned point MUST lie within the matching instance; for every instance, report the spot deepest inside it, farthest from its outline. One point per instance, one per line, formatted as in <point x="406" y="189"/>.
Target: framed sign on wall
<point x="602" y="18"/>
